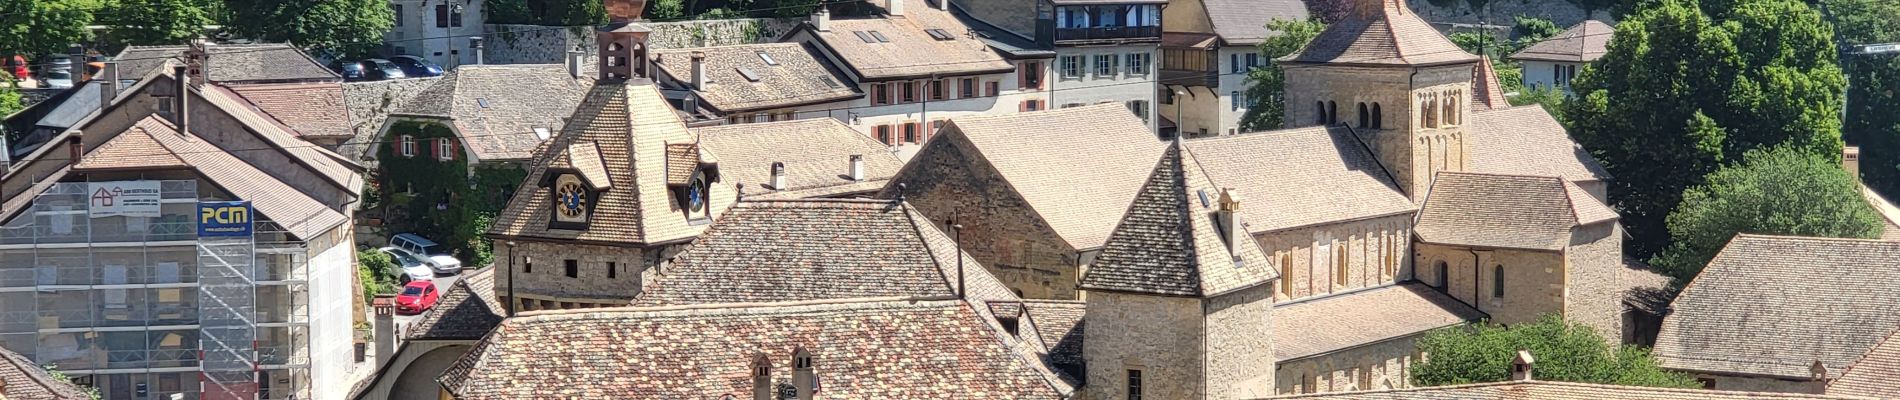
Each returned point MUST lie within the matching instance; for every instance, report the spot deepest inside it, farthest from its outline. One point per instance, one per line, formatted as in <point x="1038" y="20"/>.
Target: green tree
<point x="1776" y="191"/>
<point x="667" y="10"/>
<point x="1875" y="89"/>
<point x="1266" y="85"/>
<point x="344" y="28"/>
<point x="36" y="27"/>
<point x="1528" y="30"/>
<point x="1564" y="351"/>
<point x="1551" y="98"/>
<point x="155" y="22"/>
<point x="10" y="101"/>
<point x="1679" y="92"/>
<point x="377" y="272"/>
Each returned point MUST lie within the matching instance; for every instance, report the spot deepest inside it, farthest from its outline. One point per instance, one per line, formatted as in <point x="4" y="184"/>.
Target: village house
<point x="1551" y="64"/>
<point x="750" y="83"/>
<point x="804" y="158"/>
<point x="1081" y="52"/>
<point x="1207" y="48"/>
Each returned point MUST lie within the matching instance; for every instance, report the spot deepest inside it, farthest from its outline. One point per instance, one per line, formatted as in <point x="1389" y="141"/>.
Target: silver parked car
<point x="413" y="268"/>
<point x="433" y="254"/>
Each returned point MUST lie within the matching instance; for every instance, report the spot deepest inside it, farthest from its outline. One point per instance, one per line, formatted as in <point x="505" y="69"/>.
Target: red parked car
<point x="416" y="297"/>
<point x="16" y="65"/>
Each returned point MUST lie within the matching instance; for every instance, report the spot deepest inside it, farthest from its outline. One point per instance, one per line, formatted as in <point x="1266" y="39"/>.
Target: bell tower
<point x="623" y="51"/>
<point x="1401" y="86"/>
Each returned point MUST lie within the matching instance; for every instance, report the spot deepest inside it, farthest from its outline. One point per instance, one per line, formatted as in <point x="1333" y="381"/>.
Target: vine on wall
<point x="441" y="199"/>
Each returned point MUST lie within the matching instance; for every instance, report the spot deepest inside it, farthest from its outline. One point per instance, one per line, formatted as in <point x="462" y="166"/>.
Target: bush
<point x="1777" y="191"/>
<point x="377" y="273"/>
<point x="1564" y="351"/>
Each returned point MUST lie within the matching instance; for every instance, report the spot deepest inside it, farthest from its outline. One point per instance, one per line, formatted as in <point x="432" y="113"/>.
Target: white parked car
<point x="413" y="269"/>
<point x="431" y="253"/>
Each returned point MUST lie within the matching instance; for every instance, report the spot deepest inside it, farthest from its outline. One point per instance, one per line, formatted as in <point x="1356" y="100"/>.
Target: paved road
<point x="442" y="284"/>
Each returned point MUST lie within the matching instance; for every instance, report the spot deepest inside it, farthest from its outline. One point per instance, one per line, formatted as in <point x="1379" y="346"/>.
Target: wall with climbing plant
<point x="445" y="200"/>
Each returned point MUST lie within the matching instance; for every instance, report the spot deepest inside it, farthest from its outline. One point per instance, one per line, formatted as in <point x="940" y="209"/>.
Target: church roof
<point x="1773" y="305"/>
<point x="1381" y="32"/>
<point x="1167" y="242"/>
<point x="1526" y="140"/>
<point x="1583" y="42"/>
<point x="1303" y="159"/>
<point x="1319" y="325"/>
<point x="1506" y="211"/>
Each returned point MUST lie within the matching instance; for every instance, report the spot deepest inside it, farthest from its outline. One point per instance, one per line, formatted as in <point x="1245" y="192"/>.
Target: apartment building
<point x="436" y="30"/>
<point x="1103" y="51"/>
<point x="1207" y="50"/>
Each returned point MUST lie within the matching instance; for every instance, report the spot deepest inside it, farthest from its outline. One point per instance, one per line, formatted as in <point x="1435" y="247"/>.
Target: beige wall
<point x="1411" y="151"/>
<point x="546" y="285"/>
<point x="1240" y="344"/>
<point x="1594" y="298"/>
<point x="1383" y="365"/>
<point x="947" y="180"/>
<point x="1375" y="253"/>
<point x="1533" y="280"/>
<point x="1160" y="336"/>
<point x="1757" y="384"/>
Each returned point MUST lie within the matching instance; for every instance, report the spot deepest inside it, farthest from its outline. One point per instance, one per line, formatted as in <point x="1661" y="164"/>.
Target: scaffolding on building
<point x="142" y="307"/>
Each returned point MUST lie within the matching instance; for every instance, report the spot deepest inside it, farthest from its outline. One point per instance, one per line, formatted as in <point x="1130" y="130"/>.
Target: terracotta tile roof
<point x="860" y="349"/>
<point x="1486" y="92"/>
<point x="1320" y="325"/>
<point x="1059" y="324"/>
<point x="1387" y="34"/>
<point x="1305" y="159"/>
<point x="795" y="76"/>
<point x="1554" y="390"/>
<point x="1583" y="42"/>
<point x="1773" y="305"/>
<point x="231" y="63"/>
<point x="682" y="159"/>
<point x="1528" y="141"/>
<point x="496" y="108"/>
<point x="905" y="37"/>
<point x="311" y="110"/>
<point x="1168" y="243"/>
<point x="467" y="311"/>
<point x="299" y="214"/>
<point x="20" y="379"/>
<point x="631" y="124"/>
<point x="1081" y="198"/>
<point x="1873" y="375"/>
<point x="333" y="167"/>
<point x="585" y="158"/>
<point x="1244" y="22"/>
<point x="816" y="152"/>
<point x="135" y="148"/>
<point x="1889" y="214"/>
<point x="1506" y="211"/>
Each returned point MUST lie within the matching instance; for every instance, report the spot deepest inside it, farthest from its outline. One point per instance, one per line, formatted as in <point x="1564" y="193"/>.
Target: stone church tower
<point x="1401" y="85"/>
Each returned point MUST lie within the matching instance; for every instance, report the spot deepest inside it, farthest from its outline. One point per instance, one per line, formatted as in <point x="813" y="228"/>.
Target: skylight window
<point x="866" y="37"/>
<point x="828" y="82"/>
<point x="542" y="133"/>
<point x="880" y="37"/>
<point x="768" y="58"/>
<point x="748" y="74"/>
<point x="482" y="101"/>
<point x="939" y="34"/>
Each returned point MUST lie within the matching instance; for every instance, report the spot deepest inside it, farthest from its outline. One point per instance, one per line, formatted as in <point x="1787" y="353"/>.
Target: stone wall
<point x="1240" y="344"/>
<point x="537" y="44"/>
<point x="1533" y="280"/>
<point x="1757" y="384"/>
<point x="1376" y="253"/>
<point x="1499" y="12"/>
<point x="369" y="104"/>
<point x="1383" y="365"/>
<point x="947" y="179"/>
<point x="1157" y="335"/>
<point x="546" y="284"/>
<point x="1594" y="260"/>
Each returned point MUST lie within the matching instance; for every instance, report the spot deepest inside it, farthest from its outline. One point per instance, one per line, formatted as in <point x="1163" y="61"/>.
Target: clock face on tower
<point x="570" y="199"/>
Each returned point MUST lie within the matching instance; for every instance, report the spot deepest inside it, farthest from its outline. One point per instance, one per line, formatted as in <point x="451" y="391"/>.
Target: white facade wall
<point x="416" y="32"/>
<point x="1545" y="74"/>
<point x="1122" y="85"/>
<point x="331" y="322"/>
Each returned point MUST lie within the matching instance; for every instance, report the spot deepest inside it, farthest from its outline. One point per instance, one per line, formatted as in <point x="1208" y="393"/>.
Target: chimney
<point x="778" y="175"/>
<point x="821" y="19"/>
<point x="109" y="85"/>
<point x="1521" y="367"/>
<point x="385" y="306"/>
<point x="195" y="58"/>
<point x="896" y="8"/>
<point x="943" y="5"/>
<point x="475" y="42"/>
<point x="181" y="117"/>
<point x="857" y="167"/>
<point x="76" y="146"/>
<point x="574" y="64"/>
<point x="1850" y="160"/>
<point x="77" y="55"/>
<point x="1818" y="373"/>
<point x="699" y="70"/>
<point x="1227" y="217"/>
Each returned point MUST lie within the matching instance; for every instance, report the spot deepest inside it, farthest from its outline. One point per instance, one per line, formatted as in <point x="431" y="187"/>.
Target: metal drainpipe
<point x="1474" y="278"/>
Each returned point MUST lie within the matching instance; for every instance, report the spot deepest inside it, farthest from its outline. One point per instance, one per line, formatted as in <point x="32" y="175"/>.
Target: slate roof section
<point x="21" y="379"/>
<point x="1506" y="211"/>
<point x="860" y="349"/>
<point x="1244" y="22"/>
<point x="1167" y="243"/>
<point x="1581" y="43"/>
<point x="1081" y="198"/>
<point x="1060" y="325"/>
<point x="1388" y="35"/>
<point x="310" y="110"/>
<point x="1773" y="305"/>
<point x="816" y="152"/>
<point x="1321" y="325"/>
<point x="1287" y="185"/>
<point x="232" y="63"/>
<point x="631" y="124"/>
<point x="895" y="57"/>
<point x="467" y="311"/>
<point x="495" y="109"/>
<point x="1554" y="390"/>
<point x="796" y="76"/>
<point x="1526" y="140"/>
<point x="1873" y="375"/>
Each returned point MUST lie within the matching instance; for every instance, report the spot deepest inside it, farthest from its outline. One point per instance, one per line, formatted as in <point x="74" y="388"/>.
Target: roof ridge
<point x="1814" y="238"/>
<point x="1281" y="131"/>
<point x="757" y="307"/>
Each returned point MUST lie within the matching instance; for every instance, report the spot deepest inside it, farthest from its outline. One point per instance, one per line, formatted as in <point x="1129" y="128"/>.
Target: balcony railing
<point x="1109" y="33"/>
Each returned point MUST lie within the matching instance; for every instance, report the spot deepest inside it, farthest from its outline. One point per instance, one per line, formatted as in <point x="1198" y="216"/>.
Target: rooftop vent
<point x="482" y="102"/>
<point x="767" y="58"/>
<point x="747" y="73"/>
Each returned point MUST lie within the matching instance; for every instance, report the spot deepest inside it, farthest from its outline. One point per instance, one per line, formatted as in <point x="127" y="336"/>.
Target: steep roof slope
<point x="894" y="56"/>
<point x="310" y="110"/>
<point x="1386" y="34"/>
<point x="1526" y="140"/>
<point x="1320" y="325"/>
<point x="231" y="63"/>
<point x="1316" y="175"/>
<point x="496" y="109"/>
<point x="1584" y="42"/>
<point x="1506" y="211"/>
<point x="816" y="153"/>
<point x="20" y="379"/>
<point x="1167" y="242"/>
<point x="1244" y="22"/>
<point x="750" y="77"/>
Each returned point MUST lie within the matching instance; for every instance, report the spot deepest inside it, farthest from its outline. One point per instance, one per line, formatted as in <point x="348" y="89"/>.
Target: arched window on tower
<point x="1365" y="116"/>
<point x="1425" y="111"/>
<point x="1332" y="113"/>
<point x="1449" y="111"/>
<point x="1319" y="112"/>
<point x="1444" y="277"/>
<point x="1378" y="117"/>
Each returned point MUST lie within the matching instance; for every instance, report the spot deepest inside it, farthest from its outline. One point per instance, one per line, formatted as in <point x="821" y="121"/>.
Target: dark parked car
<point x="352" y="71"/>
<point x="416" y="67"/>
<point x="377" y="69"/>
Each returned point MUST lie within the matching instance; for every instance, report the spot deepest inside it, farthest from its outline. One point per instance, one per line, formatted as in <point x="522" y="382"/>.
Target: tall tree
<point x="155" y="22"/>
<point x="1680" y="92"/>
<point x="1777" y="191"/>
<point x="1874" y="89"/>
<point x="1564" y="351"/>
<point x="345" y="28"/>
<point x="36" y="27"/>
<point x="1266" y="85"/>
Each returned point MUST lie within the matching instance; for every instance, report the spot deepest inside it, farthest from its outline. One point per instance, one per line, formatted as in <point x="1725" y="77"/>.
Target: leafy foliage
<point x="37" y="27"/>
<point x="377" y="272"/>
<point x="1564" y="352"/>
<point x="667" y="10"/>
<point x="155" y="22"/>
<point x="91" y="392"/>
<point x="1527" y="30"/>
<point x="1875" y="89"/>
<point x="1330" y="11"/>
<point x="1266" y="85"/>
<point x="10" y="101"/>
<point x="1551" y="98"/>
<point x="342" y="28"/>
<point x="1680" y="92"/>
<point x="1777" y="191"/>
<point x="546" y="12"/>
<point x="438" y="199"/>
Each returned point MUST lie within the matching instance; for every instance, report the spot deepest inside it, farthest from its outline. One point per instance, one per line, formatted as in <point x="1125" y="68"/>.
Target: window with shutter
<point x="992" y="89"/>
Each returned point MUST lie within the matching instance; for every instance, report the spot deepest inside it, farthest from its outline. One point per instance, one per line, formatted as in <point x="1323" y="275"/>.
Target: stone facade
<point x="1578" y="283"/>
<point x="1124" y="86"/>
<point x="1239" y="338"/>
<point x="545" y="284"/>
<point x="999" y="229"/>
<point x="1416" y="140"/>
<point x="1133" y="332"/>
<point x="1372" y="251"/>
<point x="1593" y="294"/>
<point x="536" y="44"/>
<point x="369" y="104"/>
<point x="1383" y="365"/>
